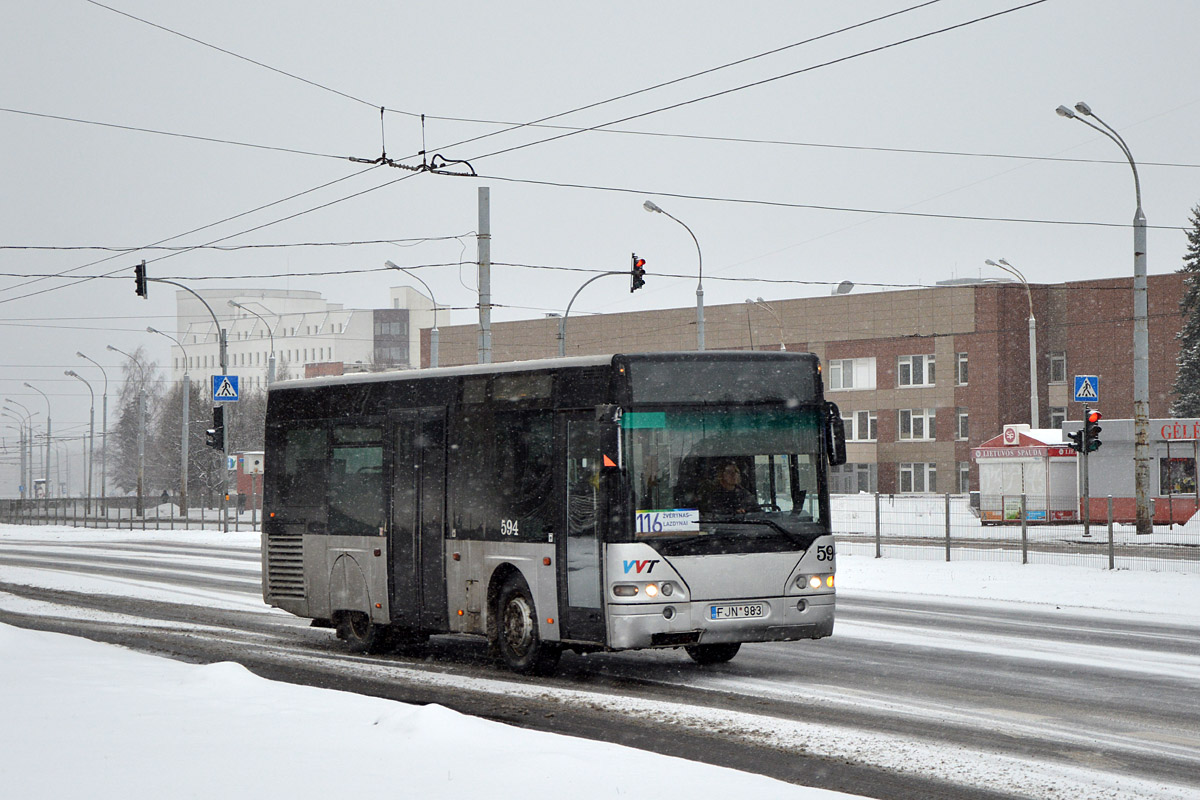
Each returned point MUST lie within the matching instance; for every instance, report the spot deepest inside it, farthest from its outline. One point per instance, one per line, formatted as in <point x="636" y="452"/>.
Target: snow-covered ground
<point x="82" y="719"/>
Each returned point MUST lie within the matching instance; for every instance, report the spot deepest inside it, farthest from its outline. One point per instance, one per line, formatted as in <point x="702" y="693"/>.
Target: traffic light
<point x="1076" y="438"/>
<point x="215" y="436"/>
<point x="139" y="280"/>
<point x="637" y="273"/>
<point x="1091" y="430"/>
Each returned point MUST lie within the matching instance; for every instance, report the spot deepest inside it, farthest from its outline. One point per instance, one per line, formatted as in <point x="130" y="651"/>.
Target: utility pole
<point x="484" y="239"/>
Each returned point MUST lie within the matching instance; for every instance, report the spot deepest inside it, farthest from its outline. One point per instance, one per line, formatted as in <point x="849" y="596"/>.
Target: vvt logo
<point x="646" y="566"/>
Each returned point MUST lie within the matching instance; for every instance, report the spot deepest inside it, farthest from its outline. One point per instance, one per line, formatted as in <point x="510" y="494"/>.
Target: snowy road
<point x="913" y="696"/>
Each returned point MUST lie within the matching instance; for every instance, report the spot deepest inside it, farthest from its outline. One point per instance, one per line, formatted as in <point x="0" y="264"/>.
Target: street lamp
<point x="1033" y="383"/>
<point x="562" y="321"/>
<point x="23" y="483"/>
<point x="271" y="333"/>
<point x="1141" y="328"/>
<point x="778" y="320"/>
<point x="141" y="412"/>
<point x="47" y="464"/>
<point x="183" y="441"/>
<point x="91" y="437"/>
<point x="433" y="334"/>
<point x="27" y="476"/>
<point x="650" y="205"/>
<point x="103" y="437"/>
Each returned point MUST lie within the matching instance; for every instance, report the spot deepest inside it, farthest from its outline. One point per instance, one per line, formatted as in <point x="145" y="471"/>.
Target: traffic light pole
<point x="225" y="444"/>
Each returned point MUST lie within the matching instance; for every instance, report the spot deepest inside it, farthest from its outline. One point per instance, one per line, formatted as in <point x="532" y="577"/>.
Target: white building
<point x="300" y="328"/>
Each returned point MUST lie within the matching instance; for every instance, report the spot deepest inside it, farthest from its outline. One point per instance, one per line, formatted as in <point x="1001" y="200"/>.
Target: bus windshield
<point x="725" y="479"/>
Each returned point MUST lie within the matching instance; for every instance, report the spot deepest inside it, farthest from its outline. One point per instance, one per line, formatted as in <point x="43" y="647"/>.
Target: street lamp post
<point x="1033" y="382"/>
<point x="1141" y="328"/>
<point x="650" y="205"/>
<point x="778" y="319"/>
<point x="103" y="439"/>
<point x="47" y="464"/>
<point x="27" y="458"/>
<point x="23" y="483"/>
<point x="270" y="333"/>
<point x="87" y="506"/>
<point x="141" y="412"/>
<point x="433" y="334"/>
<point x="183" y="441"/>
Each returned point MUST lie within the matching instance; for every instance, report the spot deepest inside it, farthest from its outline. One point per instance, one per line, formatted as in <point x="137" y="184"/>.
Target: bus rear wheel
<point x="713" y="653"/>
<point x="360" y="634"/>
<point x="521" y="647"/>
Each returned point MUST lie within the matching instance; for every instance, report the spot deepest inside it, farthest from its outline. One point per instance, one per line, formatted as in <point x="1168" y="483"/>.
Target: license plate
<point x="746" y="611"/>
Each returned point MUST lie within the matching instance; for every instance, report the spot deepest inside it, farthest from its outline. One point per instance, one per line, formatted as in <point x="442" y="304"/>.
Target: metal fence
<point x="948" y="527"/>
<point x="122" y="513"/>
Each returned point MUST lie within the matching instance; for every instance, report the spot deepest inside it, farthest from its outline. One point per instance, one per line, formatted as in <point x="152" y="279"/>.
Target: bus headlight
<point x="814" y="582"/>
<point x="625" y="590"/>
<point x="668" y="589"/>
<point x="651" y="590"/>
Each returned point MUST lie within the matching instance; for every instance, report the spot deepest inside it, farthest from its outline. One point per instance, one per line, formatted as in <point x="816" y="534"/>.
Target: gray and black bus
<point x="594" y="503"/>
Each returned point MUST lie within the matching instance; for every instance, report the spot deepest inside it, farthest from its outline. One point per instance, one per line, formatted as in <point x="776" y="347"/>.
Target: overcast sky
<point x="743" y="170"/>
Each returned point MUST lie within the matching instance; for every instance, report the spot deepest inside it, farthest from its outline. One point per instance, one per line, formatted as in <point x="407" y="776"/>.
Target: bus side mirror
<point x="608" y="419"/>
<point x="836" y="430"/>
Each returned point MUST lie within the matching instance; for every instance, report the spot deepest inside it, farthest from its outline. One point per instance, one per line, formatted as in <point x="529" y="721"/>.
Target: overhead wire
<point x="233" y="54"/>
<point x="663" y="84"/>
<point x="771" y="79"/>
<point x="136" y="129"/>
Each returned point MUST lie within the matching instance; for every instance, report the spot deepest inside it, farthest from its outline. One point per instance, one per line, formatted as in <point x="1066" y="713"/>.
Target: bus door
<point x="418" y="518"/>
<point x="585" y="513"/>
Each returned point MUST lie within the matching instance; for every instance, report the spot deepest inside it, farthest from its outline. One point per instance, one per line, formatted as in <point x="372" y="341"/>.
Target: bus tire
<point x="360" y="634"/>
<point x="713" y="653"/>
<point x="520" y="645"/>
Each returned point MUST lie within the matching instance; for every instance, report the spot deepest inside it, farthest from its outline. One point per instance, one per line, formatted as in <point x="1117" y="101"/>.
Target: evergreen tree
<point x="1187" y="375"/>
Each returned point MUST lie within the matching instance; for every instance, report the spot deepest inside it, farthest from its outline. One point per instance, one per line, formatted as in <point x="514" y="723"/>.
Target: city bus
<point x="619" y="502"/>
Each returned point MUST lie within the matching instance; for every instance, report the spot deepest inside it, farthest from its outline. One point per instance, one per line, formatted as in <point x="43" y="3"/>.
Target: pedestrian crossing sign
<point x="1087" y="389"/>
<point x="225" y="388"/>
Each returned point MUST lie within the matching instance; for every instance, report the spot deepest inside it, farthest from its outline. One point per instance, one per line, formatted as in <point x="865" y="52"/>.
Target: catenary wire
<point x="763" y="81"/>
<point x="235" y="55"/>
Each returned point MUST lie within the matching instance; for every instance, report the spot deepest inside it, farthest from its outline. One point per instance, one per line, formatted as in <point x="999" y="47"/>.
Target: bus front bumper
<point x="776" y="619"/>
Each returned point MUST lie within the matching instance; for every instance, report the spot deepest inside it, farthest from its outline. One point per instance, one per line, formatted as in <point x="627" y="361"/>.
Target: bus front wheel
<point x="521" y="647"/>
<point x="712" y="653"/>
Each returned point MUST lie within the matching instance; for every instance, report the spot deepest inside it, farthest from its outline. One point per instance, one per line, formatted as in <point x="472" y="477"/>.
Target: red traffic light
<point x="1093" y="417"/>
<point x="638" y="263"/>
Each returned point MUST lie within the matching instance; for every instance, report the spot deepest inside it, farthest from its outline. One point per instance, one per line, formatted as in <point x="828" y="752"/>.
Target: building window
<point x="917" y="424"/>
<point x="915" y="371"/>
<point x="1058" y="367"/>
<point x="960" y="369"/>
<point x="918" y="477"/>
<point x="960" y="427"/>
<point x="1058" y="415"/>
<point x="854" y="478"/>
<point x="964" y="477"/>
<point x="861" y="426"/>
<point x="852" y="373"/>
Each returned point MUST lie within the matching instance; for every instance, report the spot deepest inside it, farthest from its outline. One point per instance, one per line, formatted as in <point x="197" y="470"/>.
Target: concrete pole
<point x="183" y="468"/>
<point x="1141" y="376"/>
<point x="1033" y="381"/>
<point x="484" y="240"/>
<point x="141" y="442"/>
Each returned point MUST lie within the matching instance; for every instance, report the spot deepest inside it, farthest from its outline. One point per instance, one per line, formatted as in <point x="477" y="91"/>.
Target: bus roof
<point x="530" y="366"/>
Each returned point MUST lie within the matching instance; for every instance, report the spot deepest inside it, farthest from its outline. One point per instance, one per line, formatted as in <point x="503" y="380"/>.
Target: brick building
<point x="920" y="375"/>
